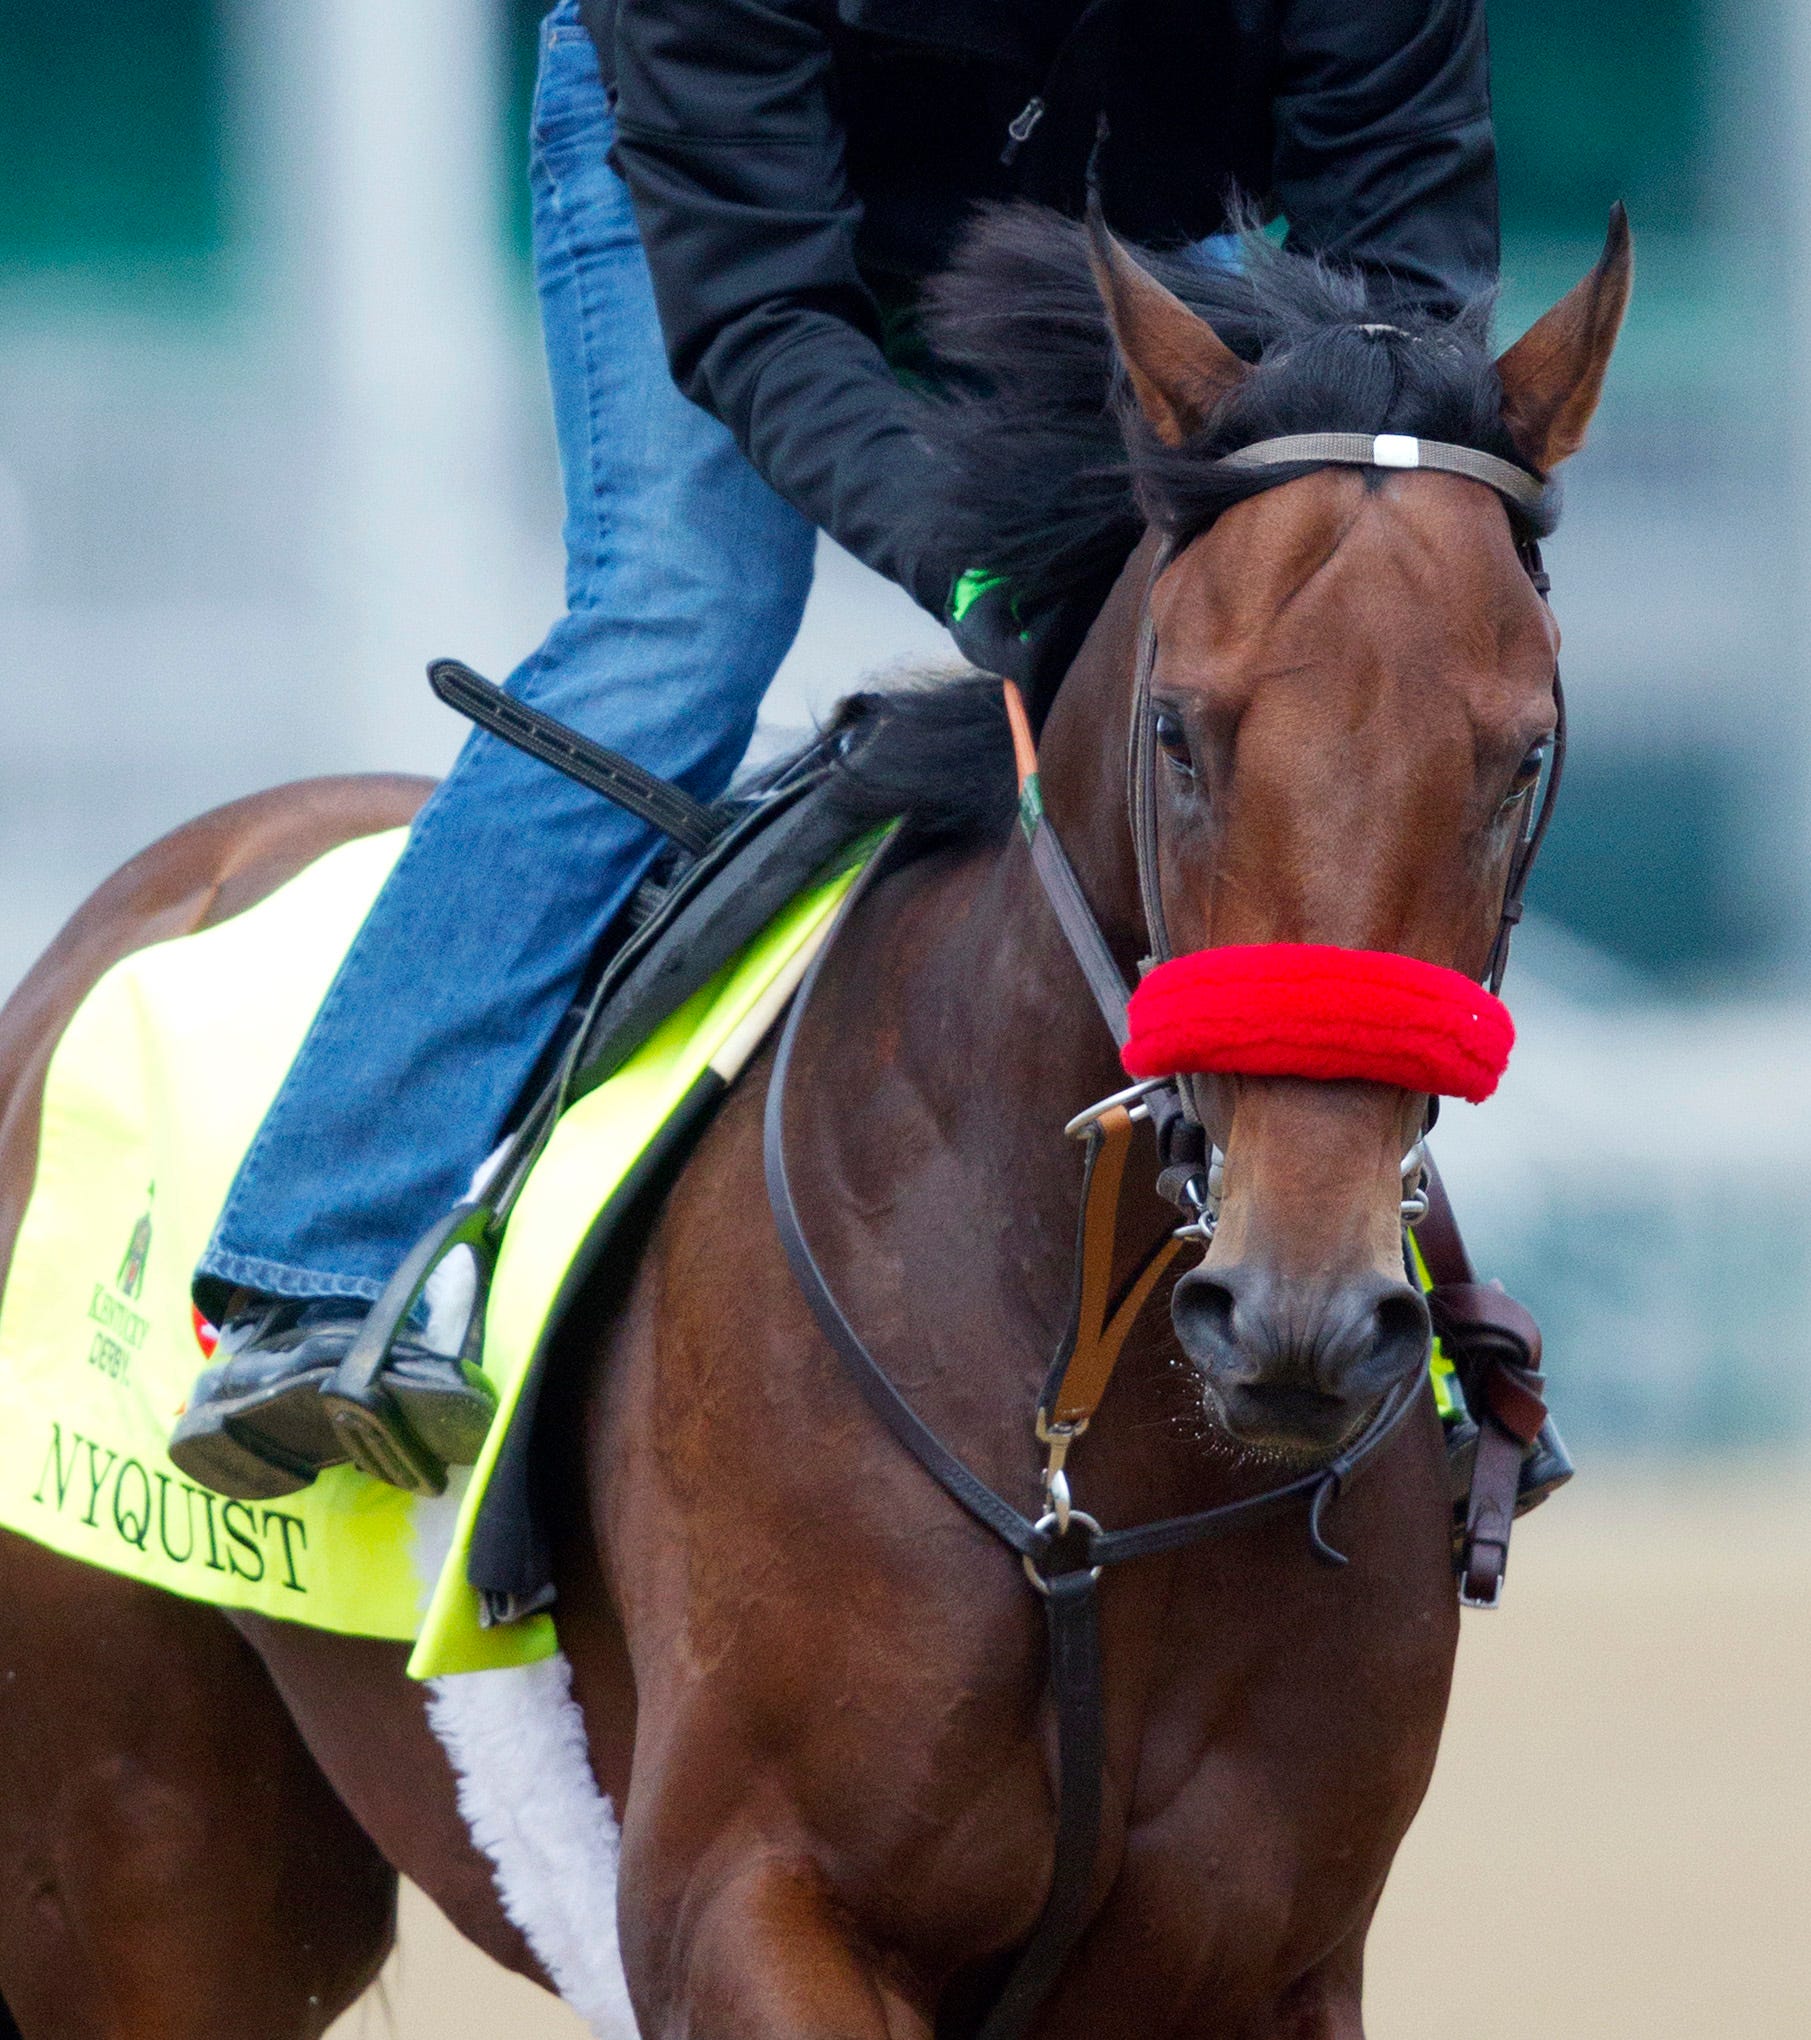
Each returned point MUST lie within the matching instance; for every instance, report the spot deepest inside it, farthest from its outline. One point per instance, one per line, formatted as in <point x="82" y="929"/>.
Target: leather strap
<point x="1437" y="1234"/>
<point x="1319" y="1489"/>
<point x="1081" y="931"/>
<point x="1489" y="1516"/>
<point x="898" y="1416"/>
<point x="1496" y="1346"/>
<point x="1141" y="784"/>
<point x="1083" y="1369"/>
<point x="1530" y="495"/>
<point x="1489" y="1326"/>
<point x="1535" y="834"/>
<point x="1072" y="1622"/>
<point x="669" y="808"/>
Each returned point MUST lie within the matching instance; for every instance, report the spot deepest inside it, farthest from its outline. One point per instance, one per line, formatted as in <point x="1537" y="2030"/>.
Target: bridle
<point x="1280" y="460"/>
<point x="1063" y="1549"/>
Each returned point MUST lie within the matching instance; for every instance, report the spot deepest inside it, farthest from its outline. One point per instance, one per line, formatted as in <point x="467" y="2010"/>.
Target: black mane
<point x="1046" y="474"/>
<point x="935" y="752"/>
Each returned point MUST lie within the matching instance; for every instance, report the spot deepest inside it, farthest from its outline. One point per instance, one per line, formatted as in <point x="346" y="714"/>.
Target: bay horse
<point x="813" y="1687"/>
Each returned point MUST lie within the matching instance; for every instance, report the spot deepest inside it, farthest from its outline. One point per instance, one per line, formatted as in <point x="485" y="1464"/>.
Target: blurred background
<point x="273" y="431"/>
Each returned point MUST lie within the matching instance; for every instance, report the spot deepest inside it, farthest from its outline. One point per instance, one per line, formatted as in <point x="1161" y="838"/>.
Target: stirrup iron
<point x="377" y="1435"/>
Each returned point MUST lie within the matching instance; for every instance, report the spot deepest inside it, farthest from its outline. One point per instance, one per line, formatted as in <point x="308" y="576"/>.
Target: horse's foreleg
<point x="768" y="1954"/>
<point x="365" y="1723"/>
<point x="1325" y="2004"/>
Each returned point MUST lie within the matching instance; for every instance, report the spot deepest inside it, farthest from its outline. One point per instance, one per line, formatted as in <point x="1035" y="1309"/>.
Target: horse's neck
<point x="1001" y="1027"/>
<point x="965" y="1037"/>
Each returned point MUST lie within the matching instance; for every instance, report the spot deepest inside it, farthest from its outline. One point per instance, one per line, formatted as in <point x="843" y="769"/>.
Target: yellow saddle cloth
<point x="153" y="1096"/>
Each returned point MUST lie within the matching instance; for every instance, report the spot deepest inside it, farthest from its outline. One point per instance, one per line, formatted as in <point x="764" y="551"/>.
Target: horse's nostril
<point x="1400" y="1336"/>
<point x="1401" y="1316"/>
<point x="1201" y="1308"/>
<point x="1250" y="1331"/>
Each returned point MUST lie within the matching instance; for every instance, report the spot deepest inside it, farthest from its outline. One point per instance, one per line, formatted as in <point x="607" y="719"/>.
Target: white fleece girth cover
<point x="516" y="1741"/>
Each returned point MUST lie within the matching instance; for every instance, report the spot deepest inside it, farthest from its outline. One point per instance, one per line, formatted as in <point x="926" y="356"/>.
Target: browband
<point x="1515" y="485"/>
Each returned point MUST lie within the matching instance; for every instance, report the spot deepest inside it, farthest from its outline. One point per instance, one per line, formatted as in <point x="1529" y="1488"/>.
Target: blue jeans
<point x="686" y="577"/>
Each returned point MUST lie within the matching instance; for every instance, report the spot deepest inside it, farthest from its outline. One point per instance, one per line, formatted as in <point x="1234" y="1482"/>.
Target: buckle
<point x="1133" y="1097"/>
<point x="1470" y="1598"/>
<point x="1044" y="1525"/>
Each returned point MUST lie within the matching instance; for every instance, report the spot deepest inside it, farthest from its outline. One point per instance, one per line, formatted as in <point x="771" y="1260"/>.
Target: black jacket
<point x="797" y="165"/>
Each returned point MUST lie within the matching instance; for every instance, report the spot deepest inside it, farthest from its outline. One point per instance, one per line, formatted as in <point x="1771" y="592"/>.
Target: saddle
<point x="730" y="867"/>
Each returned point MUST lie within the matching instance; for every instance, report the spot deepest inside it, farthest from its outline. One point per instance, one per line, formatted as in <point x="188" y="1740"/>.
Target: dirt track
<point x="1626" y="1786"/>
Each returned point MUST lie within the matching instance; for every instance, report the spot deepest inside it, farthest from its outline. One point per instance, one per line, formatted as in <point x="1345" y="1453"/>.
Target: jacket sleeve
<point x="1385" y="150"/>
<point x="728" y="136"/>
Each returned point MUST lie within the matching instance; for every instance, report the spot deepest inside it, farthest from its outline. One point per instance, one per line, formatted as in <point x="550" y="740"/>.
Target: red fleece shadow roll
<point x="1307" y="1009"/>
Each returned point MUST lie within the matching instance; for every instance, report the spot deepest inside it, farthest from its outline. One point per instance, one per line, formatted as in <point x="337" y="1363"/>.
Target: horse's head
<point x="1352" y="691"/>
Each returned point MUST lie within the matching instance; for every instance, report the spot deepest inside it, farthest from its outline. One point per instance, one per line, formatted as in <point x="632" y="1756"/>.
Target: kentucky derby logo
<point x="130" y="1281"/>
<point x="122" y="1331"/>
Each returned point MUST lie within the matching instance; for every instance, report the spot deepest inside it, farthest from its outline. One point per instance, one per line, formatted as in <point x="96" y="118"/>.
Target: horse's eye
<point x="1172" y="740"/>
<point x="1527" y="773"/>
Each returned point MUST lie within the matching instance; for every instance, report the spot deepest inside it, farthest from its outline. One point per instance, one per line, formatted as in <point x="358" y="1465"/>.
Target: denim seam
<point x="588" y="342"/>
<point x="537" y="117"/>
<point x="281" y="1278"/>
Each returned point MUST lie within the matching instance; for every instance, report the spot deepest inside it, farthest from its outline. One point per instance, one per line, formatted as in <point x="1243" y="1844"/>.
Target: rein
<point x="1064" y="1550"/>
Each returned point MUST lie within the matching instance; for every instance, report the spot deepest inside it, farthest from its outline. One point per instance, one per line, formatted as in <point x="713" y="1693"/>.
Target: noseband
<point x="1064" y="1550"/>
<point x="1308" y="1009"/>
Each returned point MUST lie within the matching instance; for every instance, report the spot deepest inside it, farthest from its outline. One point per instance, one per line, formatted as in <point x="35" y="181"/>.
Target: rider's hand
<point x="983" y="617"/>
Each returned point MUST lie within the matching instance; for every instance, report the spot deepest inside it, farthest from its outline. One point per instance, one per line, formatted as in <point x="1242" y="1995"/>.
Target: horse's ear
<point x="1553" y="376"/>
<point x="1179" y="367"/>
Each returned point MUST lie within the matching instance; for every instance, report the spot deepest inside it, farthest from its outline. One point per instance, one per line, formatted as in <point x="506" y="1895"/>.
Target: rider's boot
<point x="256" y="1425"/>
<point x="1546" y="1465"/>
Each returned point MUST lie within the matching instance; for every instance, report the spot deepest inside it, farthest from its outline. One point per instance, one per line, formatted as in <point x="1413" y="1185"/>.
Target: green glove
<point x="983" y="617"/>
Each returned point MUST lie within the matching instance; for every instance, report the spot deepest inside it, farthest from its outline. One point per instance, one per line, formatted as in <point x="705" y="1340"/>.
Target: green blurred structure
<point x="118" y="183"/>
<point x="273" y="431"/>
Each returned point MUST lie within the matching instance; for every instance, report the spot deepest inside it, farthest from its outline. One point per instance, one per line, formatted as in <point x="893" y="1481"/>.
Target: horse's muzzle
<point x="1294" y="1366"/>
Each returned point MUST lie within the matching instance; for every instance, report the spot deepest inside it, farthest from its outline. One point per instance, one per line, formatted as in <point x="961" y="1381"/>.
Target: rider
<point x="735" y="202"/>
